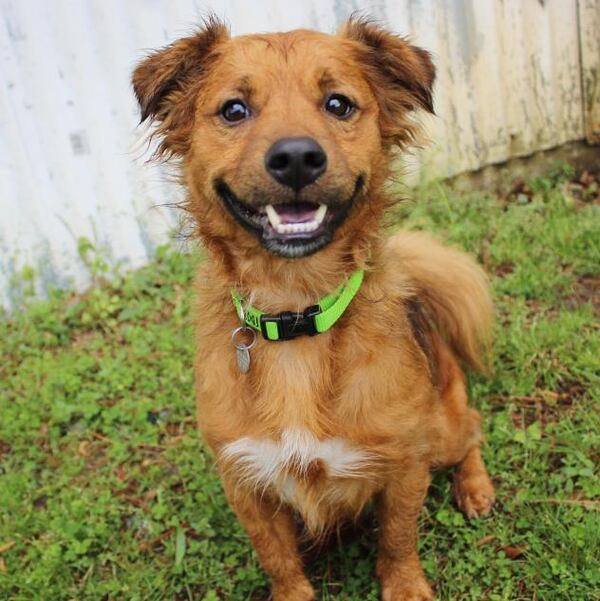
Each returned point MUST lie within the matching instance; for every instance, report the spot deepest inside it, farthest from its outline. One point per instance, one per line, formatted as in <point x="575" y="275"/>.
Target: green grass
<point x="106" y="491"/>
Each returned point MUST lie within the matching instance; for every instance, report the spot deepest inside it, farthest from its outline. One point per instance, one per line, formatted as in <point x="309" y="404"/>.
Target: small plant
<point x="22" y="285"/>
<point x="95" y="260"/>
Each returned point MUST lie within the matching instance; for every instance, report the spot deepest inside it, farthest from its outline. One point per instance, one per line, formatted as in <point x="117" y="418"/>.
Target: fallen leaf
<point x="2" y="566"/>
<point x="82" y="449"/>
<point x="121" y="473"/>
<point x="150" y="495"/>
<point x="513" y="552"/>
<point x="175" y="439"/>
<point x="100" y="437"/>
<point x="6" y="546"/>
<point x="485" y="540"/>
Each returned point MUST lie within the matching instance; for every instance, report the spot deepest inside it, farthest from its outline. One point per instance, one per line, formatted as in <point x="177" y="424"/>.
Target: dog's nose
<point x="296" y="162"/>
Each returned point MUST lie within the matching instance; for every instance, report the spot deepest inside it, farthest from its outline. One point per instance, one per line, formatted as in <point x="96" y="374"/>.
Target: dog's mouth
<point x="289" y="229"/>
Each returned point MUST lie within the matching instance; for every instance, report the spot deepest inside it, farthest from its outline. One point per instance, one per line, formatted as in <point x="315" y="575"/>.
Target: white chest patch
<point x="266" y="461"/>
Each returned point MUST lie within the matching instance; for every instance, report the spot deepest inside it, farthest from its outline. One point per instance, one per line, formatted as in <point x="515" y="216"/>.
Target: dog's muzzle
<point x="289" y="229"/>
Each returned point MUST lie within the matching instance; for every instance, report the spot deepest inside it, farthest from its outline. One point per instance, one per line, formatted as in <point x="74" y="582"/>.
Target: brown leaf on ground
<point x="522" y="588"/>
<point x="5" y="448"/>
<point x="121" y="473"/>
<point x="513" y="551"/>
<point x="100" y="436"/>
<point x="485" y="540"/>
<point x="504" y="269"/>
<point x="7" y="546"/>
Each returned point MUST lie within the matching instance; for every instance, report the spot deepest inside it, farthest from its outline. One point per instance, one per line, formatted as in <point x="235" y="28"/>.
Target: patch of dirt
<point x="544" y="406"/>
<point x="504" y="269"/>
<point x="40" y="503"/>
<point x="584" y="189"/>
<point x="587" y="289"/>
<point x="536" y="307"/>
<point x="82" y="338"/>
<point x="524" y="592"/>
<point x="5" y="448"/>
<point x="520" y="193"/>
<point x="95" y="454"/>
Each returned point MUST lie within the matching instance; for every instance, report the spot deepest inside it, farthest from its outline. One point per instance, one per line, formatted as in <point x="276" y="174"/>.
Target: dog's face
<point x="282" y="134"/>
<point x="299" y="125"/>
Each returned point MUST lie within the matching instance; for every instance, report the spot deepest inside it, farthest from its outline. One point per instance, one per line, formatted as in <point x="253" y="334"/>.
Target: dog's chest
<point x="298" y="465"/>
<point x="296" y="454"/>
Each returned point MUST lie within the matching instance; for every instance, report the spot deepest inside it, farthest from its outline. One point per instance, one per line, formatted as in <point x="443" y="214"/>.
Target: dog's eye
<point x="234" y="111"/>
<point x="339" y="105"/>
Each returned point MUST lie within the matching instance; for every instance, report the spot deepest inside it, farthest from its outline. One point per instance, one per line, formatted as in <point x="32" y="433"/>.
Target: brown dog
<point x="285" y="142"/>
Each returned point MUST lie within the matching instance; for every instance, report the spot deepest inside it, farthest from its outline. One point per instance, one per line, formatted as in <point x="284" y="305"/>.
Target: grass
<point x="106" y="491"/>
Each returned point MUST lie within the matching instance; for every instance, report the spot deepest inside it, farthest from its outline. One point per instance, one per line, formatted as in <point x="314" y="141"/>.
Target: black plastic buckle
<point x="291" y="325"/>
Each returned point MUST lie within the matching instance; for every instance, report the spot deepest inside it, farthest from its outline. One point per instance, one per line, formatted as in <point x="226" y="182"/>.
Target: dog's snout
<point x="296" y="162"/>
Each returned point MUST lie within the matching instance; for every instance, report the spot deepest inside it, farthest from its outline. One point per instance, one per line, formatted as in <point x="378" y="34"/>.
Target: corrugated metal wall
<point x="514" y="76"/>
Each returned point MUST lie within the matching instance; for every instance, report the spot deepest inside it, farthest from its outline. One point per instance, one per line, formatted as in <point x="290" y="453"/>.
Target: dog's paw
<point x="290" y="591"/>
<point x="415" y="589"/>
<point x="403" y="580"/>
<point x="474" y="494"/>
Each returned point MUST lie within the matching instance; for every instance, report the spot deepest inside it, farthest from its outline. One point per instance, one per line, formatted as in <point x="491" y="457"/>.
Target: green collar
<point x="313" y="320"/>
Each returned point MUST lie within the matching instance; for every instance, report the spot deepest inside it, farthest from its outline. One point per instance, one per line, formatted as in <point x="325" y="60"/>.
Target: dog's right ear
<point x="167" y="82"/>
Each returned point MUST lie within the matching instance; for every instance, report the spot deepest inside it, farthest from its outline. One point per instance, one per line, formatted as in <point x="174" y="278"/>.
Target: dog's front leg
<point x="273" y="534"/>
<point x="398" y="509"/>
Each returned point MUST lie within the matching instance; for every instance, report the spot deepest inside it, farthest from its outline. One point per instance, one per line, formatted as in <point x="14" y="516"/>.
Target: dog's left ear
<point x="401" y="76"/>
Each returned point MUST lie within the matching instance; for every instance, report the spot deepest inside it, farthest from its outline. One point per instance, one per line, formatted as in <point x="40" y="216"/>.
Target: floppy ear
<point x="401" y="76"/>
<point x="167" y="82"/>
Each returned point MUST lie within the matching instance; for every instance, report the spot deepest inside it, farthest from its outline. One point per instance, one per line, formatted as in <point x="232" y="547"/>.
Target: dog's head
<point x="281" y="135"/>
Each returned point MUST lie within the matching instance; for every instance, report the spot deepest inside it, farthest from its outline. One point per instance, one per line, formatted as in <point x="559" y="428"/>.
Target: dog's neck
<point x="273" y="284"/>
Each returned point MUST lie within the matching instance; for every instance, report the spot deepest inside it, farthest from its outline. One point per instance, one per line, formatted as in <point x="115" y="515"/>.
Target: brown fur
<point x="385" y="377"/>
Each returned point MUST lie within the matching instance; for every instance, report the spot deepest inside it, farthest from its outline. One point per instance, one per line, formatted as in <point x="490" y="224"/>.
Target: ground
<point x="106" y="491"/>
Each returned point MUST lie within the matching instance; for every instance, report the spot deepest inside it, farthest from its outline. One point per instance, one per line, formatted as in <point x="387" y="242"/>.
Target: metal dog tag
<point x="243" y="359"/>
<point x="242" y="350"/>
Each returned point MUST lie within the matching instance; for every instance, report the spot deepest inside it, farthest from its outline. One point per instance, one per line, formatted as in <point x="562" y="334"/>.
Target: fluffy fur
<point x="321" y="425"/>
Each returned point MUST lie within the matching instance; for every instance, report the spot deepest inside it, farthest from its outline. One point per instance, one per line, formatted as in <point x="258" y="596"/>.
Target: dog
<point x="328" y="367"/>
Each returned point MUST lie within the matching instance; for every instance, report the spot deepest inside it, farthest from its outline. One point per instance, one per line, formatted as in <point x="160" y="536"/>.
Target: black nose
<point x="296" y="162"/>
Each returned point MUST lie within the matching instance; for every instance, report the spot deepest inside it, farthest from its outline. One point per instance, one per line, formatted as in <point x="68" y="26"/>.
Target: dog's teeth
<point x="273" y="217"/>
<point x="295" y="228"/>
<point x="320" y="214"/>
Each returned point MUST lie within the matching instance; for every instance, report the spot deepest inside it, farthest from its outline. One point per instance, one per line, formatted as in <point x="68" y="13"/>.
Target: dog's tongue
<point x="297" y="212"/>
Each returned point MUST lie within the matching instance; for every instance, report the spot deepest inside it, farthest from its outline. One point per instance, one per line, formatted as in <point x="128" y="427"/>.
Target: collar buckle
<point x="290" y="325"/>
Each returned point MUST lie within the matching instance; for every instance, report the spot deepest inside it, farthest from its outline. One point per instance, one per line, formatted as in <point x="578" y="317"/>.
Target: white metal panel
<point x="72" y="160"/>
<point x="589" y="24"/>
